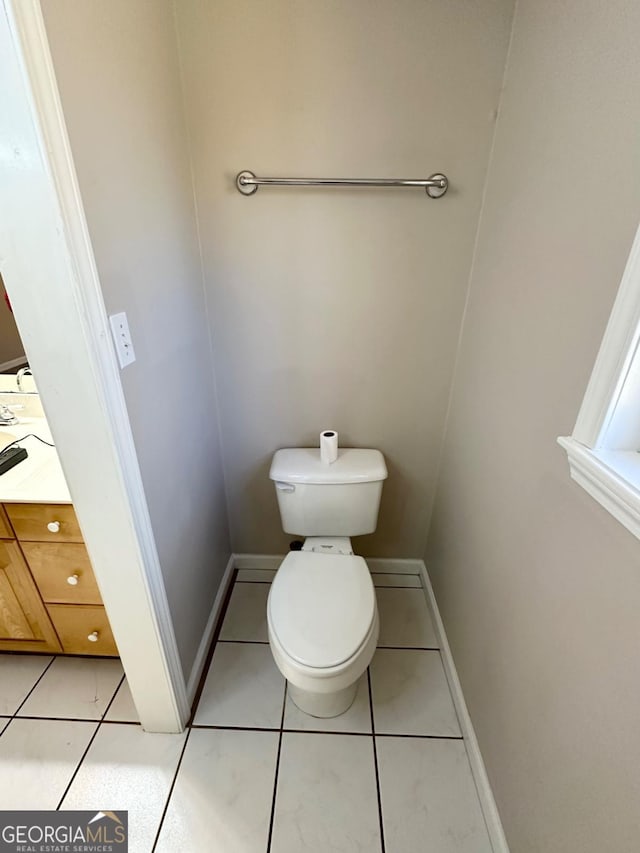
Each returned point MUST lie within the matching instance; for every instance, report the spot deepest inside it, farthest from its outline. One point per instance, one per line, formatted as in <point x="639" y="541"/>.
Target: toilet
<point x="321" y="613"/>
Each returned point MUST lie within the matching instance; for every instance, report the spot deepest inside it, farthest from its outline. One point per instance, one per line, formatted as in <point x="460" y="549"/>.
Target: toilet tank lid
<point x="303" y="465"/>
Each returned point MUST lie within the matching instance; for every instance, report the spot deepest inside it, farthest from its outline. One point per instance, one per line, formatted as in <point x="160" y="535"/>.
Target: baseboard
<point x="258" y="561"/>
<point x="207" y="637"/>
<point x="391" y="566"/>
<point x="485" y="794"/>
<point x="376" y="564"/>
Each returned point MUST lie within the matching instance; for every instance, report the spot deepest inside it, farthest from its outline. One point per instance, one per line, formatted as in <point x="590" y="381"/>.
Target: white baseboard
<point x="485" y="794"/>
<point x="207" y="637"/>
<point x="391" y="566"/>
<point x="376" y="564"/>
<point x="258" y="561"/>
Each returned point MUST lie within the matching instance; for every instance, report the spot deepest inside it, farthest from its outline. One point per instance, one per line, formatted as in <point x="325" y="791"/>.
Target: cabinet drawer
<point x="63" y="572"/>
<point x="76" y="622"/>
<point x="5" y="528"/>
<point x="44" y="522"/>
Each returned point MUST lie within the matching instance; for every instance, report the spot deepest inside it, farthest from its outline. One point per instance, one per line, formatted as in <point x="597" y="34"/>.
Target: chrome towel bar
<point x="435" y="185"/>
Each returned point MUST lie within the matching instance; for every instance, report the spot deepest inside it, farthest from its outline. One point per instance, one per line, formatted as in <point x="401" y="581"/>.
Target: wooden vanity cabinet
<point x="49" y="598"/>
<point x="25" y="625"/>
<point x="5" y="527"/>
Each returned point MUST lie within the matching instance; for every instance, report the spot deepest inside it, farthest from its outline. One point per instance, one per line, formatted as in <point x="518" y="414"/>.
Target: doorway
<point x="49" y="272"/>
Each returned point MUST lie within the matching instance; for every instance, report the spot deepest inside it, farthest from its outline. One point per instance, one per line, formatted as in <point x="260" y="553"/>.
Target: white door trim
<point x="52" y="280"/>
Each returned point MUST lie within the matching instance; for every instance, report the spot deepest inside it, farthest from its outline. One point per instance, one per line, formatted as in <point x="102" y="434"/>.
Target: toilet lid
<point x="321" y="607"/>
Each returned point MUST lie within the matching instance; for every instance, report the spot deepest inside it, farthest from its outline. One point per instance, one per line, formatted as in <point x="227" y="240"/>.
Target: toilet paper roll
<point x="328" y="446"/>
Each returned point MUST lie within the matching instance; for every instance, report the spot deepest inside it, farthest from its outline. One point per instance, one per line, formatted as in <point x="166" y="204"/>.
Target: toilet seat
<point x="321" y="608"/>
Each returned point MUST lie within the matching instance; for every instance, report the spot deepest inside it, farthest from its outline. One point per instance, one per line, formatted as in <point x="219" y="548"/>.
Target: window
<point x="604" y="450"/>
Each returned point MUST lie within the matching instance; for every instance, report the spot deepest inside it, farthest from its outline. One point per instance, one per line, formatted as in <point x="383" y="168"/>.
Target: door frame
<point x="50" y="274"/>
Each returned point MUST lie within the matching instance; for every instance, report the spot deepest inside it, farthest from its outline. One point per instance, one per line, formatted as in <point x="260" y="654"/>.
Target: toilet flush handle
<point x="285" y="487"/>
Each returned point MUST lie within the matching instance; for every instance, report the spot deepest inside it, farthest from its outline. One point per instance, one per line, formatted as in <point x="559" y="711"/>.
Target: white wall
<point x="539" y="587"/>
<point x="117" y="68"/>
<point x="338" y="308"/>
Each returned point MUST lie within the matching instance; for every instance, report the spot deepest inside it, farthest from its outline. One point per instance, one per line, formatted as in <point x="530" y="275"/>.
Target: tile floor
<point x="253" y="774"/>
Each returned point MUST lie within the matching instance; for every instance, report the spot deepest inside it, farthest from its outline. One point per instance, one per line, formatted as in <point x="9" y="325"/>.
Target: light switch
<point x="122" y="338"/>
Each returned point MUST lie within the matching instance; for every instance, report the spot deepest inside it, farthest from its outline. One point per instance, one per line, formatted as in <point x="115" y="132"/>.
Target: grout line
<point x="411" y="648"/>
<point x="275" y="778"/>
<point x="91" y="740"/>
<point x="71" y="719"/>
<point x="82" y="758"/>
<point x="377" y="734"/>
<point x="453" y="702"/>
<point x="401" y="648"/>
<point x="323" y="732"/>
<point x="37" y="681"/>
<point x="74" y="719"/>
<point x="217" y="727"/>
<point x="170" y="793"/>
<point x="112" y="700"/>
<point x="4" y="724"/>
<point x="420" y="737"/>
<point x="375" y="762"/>
<point x="214" y="641"/>
<point x="196" y="700"/>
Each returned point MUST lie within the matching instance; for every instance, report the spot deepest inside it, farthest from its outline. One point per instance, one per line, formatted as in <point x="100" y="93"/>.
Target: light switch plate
<point x="122" y="338"/>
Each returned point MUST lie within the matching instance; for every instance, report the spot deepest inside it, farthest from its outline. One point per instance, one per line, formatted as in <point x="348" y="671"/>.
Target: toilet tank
<point x="316" y="499"/>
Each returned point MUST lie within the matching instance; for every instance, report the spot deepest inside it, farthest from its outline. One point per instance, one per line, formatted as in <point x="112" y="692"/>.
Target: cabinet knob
<point x="93" y="637"/>
<point x="72" y="580"/>
<point x="53" y="527"/>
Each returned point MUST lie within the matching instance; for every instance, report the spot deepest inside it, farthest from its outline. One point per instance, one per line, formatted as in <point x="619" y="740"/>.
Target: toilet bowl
<point x="321" y="613"/>
<point x="323" y="628"/>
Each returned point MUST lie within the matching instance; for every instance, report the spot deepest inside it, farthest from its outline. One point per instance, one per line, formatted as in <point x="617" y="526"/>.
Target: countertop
<point x="39" y="477"/>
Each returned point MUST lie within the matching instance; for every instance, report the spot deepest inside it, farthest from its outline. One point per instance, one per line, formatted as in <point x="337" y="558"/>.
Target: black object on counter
<point x="10" y="457"/>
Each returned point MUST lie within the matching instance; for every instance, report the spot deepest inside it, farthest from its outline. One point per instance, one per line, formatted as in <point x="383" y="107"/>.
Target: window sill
<point x="612" y="477"/>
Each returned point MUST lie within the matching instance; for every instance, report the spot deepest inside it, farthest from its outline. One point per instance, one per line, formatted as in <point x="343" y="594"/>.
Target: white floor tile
<point x="429" y="800"/>
<point x="356" y="719"/>
<point x="326" y="798"/>
<point x="122" y="709"/>
<point x="243" y="688"/>
<point x="405" y="621"/>
<point x="18" y="674"/>
<point x="384" y="579"/>
<point x="222" y="798"/>
<point x="411" y="695"/>
<point x="246" y="617"/>
<point x="127" y="768"/>
<point x="78" y="688"/>
<point x="38" y="759"/>
<point x="255" y="576"/>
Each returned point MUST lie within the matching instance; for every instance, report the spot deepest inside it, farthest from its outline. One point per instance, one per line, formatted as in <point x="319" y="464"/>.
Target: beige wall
<point x="338" y="308"/>
<point x="539" y="587"/>
<point x="10" y="344"/>
<point x="117" y="67"/>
